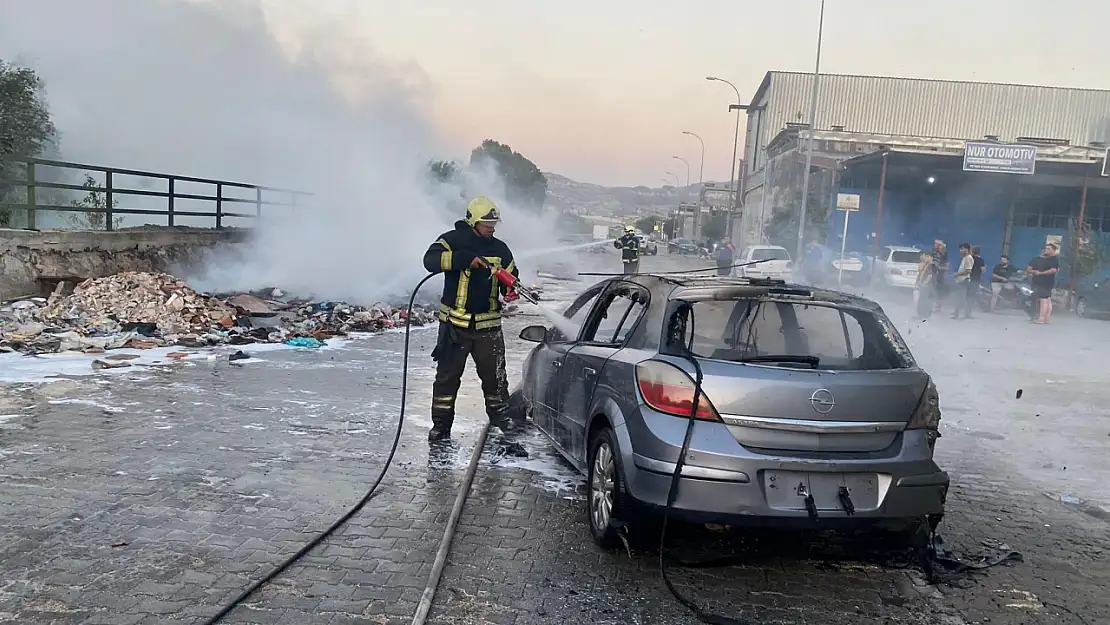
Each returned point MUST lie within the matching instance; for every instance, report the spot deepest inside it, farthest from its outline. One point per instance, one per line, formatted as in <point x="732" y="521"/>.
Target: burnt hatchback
<point x="811" y="408"/>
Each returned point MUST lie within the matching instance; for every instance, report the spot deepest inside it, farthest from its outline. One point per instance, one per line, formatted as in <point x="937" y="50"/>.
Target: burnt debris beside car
<point x="812" y="408"/>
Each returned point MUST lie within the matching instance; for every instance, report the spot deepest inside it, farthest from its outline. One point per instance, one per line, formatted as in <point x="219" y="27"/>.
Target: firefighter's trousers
<point x="632" y="265"/>
<point x="487" y="348"/>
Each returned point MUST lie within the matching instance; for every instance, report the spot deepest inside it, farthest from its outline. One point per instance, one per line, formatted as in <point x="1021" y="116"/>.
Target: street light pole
<point x="733" y="173"/>
<point x="701" y="182"/>
<point x="811" y="131"/>
<point x="687" y="163"/>
<point x="677" y="182"/>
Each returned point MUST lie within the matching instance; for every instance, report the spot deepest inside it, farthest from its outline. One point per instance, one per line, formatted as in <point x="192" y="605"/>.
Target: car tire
<point x="607" y="497"/>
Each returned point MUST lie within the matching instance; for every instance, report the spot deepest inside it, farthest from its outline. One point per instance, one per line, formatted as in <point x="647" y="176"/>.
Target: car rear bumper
<point x="905" y="482"/>
<point x="787" y="274"/>
<point x="908" y="497"/>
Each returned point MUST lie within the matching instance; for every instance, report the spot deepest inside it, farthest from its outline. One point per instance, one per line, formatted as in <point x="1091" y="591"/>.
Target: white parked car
<point x="897" y="266"/>
<point x="777" y="263"/>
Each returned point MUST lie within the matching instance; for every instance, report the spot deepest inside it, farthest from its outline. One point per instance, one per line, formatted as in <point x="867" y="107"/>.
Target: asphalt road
<point x="156" y="495"/>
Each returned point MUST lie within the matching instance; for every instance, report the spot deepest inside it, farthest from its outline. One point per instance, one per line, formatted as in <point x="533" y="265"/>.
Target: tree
<point x="525" y="184"/>
<point x="95" y="199"/>
<point x="647" y="224"/>
<point x="25" y="126"/>
<point x="443" y="171"/>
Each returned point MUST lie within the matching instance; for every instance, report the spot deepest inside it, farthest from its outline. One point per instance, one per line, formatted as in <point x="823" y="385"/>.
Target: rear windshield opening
<point x="800" y="335"/>
<point x="905" y="257"/>
<point x="769" y="254"/>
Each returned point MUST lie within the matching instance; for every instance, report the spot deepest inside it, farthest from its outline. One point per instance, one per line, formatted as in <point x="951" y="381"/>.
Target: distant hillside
<point x="594" y="199"/>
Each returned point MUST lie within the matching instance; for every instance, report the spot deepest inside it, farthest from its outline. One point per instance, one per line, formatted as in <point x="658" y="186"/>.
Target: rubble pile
<point x="145" y="310"/>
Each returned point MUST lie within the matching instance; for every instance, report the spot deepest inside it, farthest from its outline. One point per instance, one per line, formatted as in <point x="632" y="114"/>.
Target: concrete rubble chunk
<point x="253" y="306"/>
<point x="139" y="310"/>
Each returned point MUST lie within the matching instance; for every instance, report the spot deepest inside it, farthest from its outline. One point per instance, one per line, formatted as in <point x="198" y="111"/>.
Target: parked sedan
<point x="811" y="409"/>
<point x="681" y="246"/>
<point x="648" y="246"/>
<point x="896" y="266"/>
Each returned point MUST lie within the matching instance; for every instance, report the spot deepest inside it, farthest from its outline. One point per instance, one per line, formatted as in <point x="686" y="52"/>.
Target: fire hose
<point x="513" y="290"/>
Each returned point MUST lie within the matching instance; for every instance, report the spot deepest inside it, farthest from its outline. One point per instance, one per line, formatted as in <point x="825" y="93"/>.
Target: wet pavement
<point x="156" y="494"/>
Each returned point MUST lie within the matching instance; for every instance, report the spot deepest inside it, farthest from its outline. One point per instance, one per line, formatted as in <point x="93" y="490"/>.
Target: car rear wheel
<point x="607" y="496"/>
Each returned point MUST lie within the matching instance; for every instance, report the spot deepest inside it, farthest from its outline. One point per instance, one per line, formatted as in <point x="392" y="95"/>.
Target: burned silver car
<point x="811" y="407"/>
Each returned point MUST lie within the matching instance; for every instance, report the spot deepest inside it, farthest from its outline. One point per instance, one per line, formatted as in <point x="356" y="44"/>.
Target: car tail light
<point x="670" y="390"/>
<point x="895" y="272"/>
<point x="927" y="414"/>
<point x="789" y="265"/>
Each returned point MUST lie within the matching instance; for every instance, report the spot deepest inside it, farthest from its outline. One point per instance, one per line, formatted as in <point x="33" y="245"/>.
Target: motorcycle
<point x="1016" y="294"/>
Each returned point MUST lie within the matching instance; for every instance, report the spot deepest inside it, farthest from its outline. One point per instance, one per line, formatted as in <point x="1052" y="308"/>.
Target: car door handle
<point x="589" y="371"/>
<point x="556" y="363"/>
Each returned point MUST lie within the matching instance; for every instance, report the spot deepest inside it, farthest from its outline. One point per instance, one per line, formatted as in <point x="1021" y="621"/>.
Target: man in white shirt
<point x="963" y="282"/>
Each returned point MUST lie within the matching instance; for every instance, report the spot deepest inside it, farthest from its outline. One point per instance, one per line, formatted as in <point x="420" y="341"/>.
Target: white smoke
<point x="207" y="89"/>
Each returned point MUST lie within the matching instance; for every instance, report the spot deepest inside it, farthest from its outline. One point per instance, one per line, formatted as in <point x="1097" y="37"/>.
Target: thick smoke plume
<point x="206" y="89"/>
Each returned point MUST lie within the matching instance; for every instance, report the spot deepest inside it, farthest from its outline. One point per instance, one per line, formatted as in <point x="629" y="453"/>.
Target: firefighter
<point x="629" y="245"/>
<point x="470" y="315"/>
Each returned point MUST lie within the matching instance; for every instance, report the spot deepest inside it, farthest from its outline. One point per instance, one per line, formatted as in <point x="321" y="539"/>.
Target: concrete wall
<point x="30" y="261"/>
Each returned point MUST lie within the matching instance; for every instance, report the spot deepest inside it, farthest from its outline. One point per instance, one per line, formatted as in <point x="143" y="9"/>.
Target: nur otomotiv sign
<point x="1000" y="158"/>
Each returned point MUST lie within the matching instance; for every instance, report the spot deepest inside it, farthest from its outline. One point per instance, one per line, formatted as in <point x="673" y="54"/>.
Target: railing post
<point x="108" y="225"/>
<point x="258" y="202"/>
<point x="219" y="205"/>
<point x="169" y="207"/>
<point x="31" y="196"/>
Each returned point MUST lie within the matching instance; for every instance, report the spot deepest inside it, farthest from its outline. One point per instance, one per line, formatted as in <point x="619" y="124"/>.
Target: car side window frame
<point x="590" y="296"/>
<point x="594" y="320"/>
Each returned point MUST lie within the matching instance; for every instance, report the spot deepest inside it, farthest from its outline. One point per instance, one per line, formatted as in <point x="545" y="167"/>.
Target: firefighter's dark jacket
<point x="470" y="296"/>
<point x="629" y="245"/>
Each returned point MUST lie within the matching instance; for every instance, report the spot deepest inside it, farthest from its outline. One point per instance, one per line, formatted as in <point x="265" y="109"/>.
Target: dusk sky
<point x="601" y="90"/>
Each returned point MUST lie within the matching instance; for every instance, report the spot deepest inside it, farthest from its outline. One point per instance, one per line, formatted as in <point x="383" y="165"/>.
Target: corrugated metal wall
<point x="934" y="108"/>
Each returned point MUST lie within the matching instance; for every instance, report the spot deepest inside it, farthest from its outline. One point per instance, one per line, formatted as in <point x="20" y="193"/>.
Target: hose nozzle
<point x="513" y="287"/>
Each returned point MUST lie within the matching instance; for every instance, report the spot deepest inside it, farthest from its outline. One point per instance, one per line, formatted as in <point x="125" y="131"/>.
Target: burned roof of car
<point x="694" y="287"/>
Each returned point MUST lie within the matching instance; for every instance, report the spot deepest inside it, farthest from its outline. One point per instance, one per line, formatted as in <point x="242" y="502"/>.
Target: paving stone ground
<point x="157" y="495"/>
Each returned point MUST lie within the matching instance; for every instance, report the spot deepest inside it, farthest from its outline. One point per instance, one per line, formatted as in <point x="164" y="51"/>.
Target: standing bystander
<point x="1043" y="269"/>
<point x="963" y="283"/>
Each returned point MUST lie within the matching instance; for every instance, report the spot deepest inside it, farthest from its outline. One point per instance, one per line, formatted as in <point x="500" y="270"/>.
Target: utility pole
<point x="701" y="183"/>
<point x="811" y="131"/>
<point x="734" y="176"/>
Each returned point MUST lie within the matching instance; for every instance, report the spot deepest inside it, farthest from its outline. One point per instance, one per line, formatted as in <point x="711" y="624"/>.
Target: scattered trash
<point x="304" y="341"/>
<point x="104" y="364"/>
<point x="239" y="355"/>
<point x="1019" y="393"/>
<point x="139" y="310"/>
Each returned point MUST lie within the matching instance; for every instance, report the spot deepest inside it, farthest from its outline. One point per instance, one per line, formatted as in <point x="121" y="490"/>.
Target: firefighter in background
<point x="629" y="245"/>
<point x="470" y="315"/>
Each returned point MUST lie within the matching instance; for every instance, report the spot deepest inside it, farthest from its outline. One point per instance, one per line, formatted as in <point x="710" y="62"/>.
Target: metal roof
<point x="936" y="108"/>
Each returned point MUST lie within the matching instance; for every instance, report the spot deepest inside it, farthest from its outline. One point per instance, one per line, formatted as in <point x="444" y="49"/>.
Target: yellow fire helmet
<point x="630" y="229"/>
<point x="482" y="208"/>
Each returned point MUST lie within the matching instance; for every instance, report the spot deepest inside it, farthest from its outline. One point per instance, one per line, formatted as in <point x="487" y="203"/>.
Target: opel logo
<point x="822" y="400"/>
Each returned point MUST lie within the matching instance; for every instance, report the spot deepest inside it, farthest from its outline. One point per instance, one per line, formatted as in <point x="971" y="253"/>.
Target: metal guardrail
<point x="111" y="193"/>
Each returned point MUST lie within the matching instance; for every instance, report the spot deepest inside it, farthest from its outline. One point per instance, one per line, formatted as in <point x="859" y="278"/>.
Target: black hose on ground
<point x="672" y="494"/>
<point x="280" y="568"/>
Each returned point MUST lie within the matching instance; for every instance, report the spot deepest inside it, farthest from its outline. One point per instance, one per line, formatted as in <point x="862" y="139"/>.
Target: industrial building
<point x="908" y="148"/>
